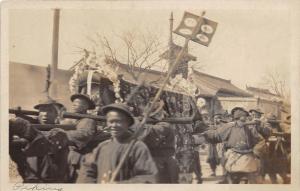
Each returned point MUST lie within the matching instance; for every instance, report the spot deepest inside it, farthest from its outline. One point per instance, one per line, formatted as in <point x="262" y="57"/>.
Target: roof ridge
<point x="261" y="90"/>
<point x="215" y="77"/>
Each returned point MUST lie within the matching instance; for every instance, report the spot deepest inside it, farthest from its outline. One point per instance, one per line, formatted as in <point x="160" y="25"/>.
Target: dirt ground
<point x="206" y="171"/>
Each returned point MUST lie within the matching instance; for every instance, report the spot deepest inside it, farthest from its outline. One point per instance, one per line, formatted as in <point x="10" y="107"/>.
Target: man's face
<point x="257" y="115"/>
<point x="79" y="106"/>
<point x="217" y="119"/>
<point x="117" y="122"/>
<point x="229" y="118"/>
<point x="47" y="114"/>
<point x="243" y="118"/>
<point x="205" y="118"/>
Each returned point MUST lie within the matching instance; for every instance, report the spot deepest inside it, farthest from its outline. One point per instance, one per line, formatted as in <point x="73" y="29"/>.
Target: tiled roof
<point x="260" y="90"/>
<point x="212" y="85"/>
<point x="208" y="85"/>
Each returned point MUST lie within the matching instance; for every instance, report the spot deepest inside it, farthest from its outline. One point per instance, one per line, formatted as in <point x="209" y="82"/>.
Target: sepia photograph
<point x="148" y="93"/>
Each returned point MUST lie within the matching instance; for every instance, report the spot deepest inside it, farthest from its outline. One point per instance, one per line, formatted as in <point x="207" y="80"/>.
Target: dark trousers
<point x="168" y="169"/>
<point x="197" y="167"/>
<point x="213" y="157"/>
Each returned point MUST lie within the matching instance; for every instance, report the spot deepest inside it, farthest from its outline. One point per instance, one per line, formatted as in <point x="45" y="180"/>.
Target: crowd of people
<point x="249" y="145"/>
<point x="91" y="152"/>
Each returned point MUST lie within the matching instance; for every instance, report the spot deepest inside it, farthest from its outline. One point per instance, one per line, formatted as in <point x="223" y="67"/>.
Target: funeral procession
<point x="133" y="108"/>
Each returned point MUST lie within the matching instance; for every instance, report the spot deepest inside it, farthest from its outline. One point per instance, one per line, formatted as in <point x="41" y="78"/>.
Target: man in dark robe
<point x="82" y="137"/>
<point x="213" y="156"/>
<point x="160" y="139"/>
<point x="277" y="161"/>
<point x="40" y="156"/>
<point x="98" y="167"/>
<point x="76" y="143"/>
<point x="260" y="149"/>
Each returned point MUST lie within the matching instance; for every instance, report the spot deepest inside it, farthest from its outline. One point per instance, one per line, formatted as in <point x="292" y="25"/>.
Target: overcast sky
<point x="245" y="45"/>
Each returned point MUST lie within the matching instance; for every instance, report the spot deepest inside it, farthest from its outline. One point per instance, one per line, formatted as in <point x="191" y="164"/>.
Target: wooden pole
<point x="157" y="96"/>
<point x="54" y="60"/>
<point x="144" y="120"/>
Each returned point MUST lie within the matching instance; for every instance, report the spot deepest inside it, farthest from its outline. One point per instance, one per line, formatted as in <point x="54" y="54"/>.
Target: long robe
<point x="160" y="139"/>
<point x="39" y="163"/>
<point x="240" y="140"/>
<point x="80" y="138"/>
<point x="98" y="166"/>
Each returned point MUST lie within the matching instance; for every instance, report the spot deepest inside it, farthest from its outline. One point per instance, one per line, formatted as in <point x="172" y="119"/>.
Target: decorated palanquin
<point x="107" y="81"/>
<point x="112" y="82"/>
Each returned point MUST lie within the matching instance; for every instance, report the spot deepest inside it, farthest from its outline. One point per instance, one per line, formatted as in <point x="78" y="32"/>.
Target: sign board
<point x="205" y="28"/>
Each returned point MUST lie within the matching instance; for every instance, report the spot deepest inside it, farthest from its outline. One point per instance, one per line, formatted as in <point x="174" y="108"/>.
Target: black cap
<point x="119" y="107"/>
<point x="238" y="108"/>
<point x="257" y="110"/>
<point x="85" y="97"/>
<point x="217" y="114"/>
<point x="47" y="102"/>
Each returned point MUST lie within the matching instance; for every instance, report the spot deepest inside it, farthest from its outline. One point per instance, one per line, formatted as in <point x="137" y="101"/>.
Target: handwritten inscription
<point x="35" y="187"/>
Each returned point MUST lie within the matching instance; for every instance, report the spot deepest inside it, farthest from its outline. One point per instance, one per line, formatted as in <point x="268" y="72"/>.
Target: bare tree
<point x="138" y="51"/>
<point x="275" y="81"/>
